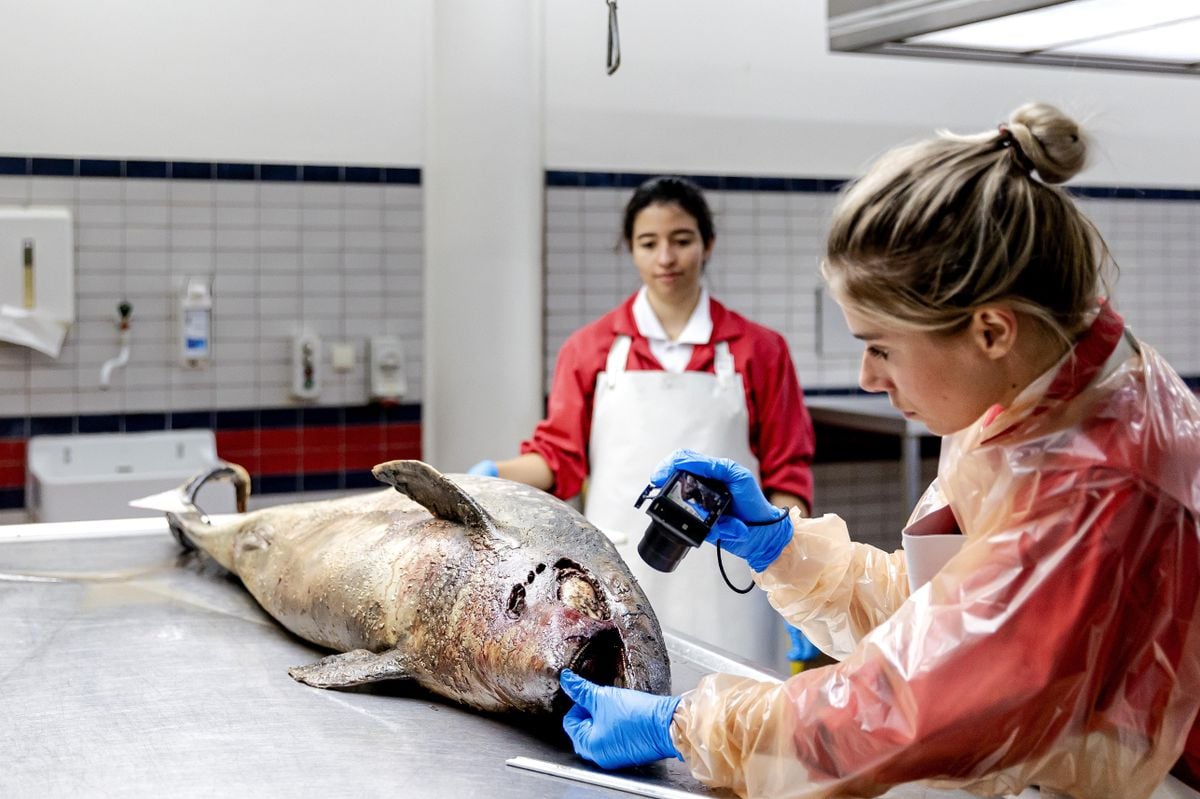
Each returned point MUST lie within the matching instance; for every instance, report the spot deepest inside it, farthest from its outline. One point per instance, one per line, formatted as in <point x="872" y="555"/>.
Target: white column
<point x="483" y="188"/>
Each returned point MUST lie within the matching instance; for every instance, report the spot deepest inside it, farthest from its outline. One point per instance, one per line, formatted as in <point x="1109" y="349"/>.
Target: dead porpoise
<point x="480" y="589"/>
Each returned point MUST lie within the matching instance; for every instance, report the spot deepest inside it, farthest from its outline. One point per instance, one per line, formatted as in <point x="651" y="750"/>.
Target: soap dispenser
<point x="306" y="365"/>
<point x="196" y="338"/>
<point x="388" y="382"/>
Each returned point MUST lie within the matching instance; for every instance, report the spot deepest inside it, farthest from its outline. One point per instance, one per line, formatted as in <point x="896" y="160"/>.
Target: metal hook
<point x="614" y="38"/>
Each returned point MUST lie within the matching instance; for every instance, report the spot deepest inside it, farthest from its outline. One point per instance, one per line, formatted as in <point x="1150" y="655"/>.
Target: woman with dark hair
<point x="672" y="367"/>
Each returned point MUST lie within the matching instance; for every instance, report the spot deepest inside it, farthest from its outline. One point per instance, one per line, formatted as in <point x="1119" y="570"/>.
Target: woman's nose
<point x="665" y="254"/>
<point x="868" y="376"/>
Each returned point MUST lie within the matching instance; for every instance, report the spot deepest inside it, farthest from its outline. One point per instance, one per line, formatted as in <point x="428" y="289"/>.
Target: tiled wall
<point x="338" y="250"/>
<point x="330" y="249"/>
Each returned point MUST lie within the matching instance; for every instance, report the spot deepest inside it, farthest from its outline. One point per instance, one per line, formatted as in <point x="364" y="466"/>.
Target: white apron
<point x="638" y="418"/>
<point x="929" y="544"/>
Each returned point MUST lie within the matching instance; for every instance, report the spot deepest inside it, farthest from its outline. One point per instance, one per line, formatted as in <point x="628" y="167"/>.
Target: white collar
<point x="698" y="329"/>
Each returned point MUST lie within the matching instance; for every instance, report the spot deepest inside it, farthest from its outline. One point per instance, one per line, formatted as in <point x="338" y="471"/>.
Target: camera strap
<point x="725" y="576"/>
<point x="783" y="514"/>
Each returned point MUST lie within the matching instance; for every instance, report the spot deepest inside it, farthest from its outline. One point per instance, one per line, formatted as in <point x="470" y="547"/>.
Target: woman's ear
<point x="994" y="330"/>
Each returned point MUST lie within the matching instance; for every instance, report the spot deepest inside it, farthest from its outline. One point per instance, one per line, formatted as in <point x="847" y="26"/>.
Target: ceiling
<point x="1132" y="35"/>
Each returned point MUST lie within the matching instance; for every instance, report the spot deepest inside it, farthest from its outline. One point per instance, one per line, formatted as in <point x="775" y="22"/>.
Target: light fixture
<point x="1146" y="35"/>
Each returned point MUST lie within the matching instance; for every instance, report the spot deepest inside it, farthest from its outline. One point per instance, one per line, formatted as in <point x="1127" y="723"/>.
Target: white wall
<point x="749" y="89"/>
<point x="705" y="87"/>
<point x="306" y="81"/>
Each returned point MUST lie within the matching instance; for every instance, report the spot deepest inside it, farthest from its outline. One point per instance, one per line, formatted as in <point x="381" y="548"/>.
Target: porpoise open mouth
<point x="601" y="659"/>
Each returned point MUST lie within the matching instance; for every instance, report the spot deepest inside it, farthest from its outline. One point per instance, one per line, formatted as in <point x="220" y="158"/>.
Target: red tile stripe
<point x="279" y="451"/>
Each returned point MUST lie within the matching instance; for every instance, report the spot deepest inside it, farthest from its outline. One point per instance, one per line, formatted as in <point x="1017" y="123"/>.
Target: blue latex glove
<point x="485" y="469"/>
<point x="802" y="649"/>
<point x="618" y="727"/>
<point x="751" y="528"/>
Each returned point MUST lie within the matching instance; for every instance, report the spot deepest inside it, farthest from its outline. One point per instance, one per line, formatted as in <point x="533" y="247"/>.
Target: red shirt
<point x="781" y="433"/>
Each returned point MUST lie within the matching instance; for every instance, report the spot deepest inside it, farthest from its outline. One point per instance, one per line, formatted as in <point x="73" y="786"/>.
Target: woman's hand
<point x="617" y="727"/>
<point x="752" y="528"/>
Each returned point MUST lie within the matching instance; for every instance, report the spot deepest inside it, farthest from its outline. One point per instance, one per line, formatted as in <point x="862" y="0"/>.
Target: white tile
<point x="401" y="196"/>
<point x="276" y="307"/>
<point x="139" y="214"/>
<point x="276" y="194"/>
<point x="44" y="190"/>
<point x="364" y="240"/>
<point x="145" y="190"/>
<point x="321" y="194"/>
<point x="272" y="239"/>
<point x="358" y="262"/>
<point x="193" y="216"/>
<point x="279" y="262"/>
<point x="363" y="195"/>
<point x="50" y="403"/>
<point x="101" y="238"/>
<point x="146" y="238"/>
<point x="362" y="218"/>
<point x="278" y="285"/>
<point x="14" y="189"/>
<point x="236" y="192"/>
<point x="236" y="216"/>
<point x="321" y="240"/>
<point x="321" y="218"/>
<point x="192" y="192"/>
<point x="12" y="402"/>
<point x="235" y="240"/>
<point x="283" y="216"/>
<point x="192" y="262"/>
<point x="232" y="263"/>
<point x="323" y="285"/>
<point x="244" y="284"/>
<point x="101" y="215"/>
<point x="192" y="238"/>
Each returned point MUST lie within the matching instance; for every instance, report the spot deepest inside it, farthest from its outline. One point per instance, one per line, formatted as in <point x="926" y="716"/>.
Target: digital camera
<point x="682" y="514"/>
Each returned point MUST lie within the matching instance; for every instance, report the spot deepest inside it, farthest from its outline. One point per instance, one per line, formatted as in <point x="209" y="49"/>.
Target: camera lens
<point x="660" y="549"/>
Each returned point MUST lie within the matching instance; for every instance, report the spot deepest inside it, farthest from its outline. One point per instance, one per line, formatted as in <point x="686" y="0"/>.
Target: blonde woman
<point x="1040" y="626"/>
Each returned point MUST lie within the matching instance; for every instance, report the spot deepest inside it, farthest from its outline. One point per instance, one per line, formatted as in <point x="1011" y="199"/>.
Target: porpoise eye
<point x="516" y="601"/>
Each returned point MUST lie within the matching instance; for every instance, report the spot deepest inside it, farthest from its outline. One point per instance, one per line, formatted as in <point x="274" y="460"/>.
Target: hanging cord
<point x="783" y="515"/>
<point x="614" y="38"/>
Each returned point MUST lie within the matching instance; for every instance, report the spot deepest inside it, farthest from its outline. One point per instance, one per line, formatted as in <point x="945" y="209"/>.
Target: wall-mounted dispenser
<point x="37" y="277"/>
<point x="306" y="365"/>
<point x="196" y="319"/>
<point x="385" y="369"/>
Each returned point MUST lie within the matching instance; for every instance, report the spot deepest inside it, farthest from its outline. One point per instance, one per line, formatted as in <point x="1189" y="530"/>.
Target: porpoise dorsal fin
<point x="437" y="493"/>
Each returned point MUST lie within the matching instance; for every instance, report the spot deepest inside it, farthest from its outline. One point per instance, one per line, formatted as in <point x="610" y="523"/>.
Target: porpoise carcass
<point x="479" y="589"/>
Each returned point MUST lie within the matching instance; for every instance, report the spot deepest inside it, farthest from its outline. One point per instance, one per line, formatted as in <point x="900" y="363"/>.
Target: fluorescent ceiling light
<point x="1066" y="23"/>
<point x="1131" y="35"/>
<point x="1179" y="42"/>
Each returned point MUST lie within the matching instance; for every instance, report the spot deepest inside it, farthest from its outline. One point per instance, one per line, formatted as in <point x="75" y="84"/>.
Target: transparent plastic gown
<point x="1059" y="648"/>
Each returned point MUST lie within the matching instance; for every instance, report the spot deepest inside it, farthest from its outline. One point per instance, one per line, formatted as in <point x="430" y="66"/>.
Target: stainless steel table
<point x="130" y="669"/>
<point x="875" y="414"/>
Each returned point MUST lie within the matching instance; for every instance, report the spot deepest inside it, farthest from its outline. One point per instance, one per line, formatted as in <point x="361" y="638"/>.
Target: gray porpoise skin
<point x="480" y="589"/>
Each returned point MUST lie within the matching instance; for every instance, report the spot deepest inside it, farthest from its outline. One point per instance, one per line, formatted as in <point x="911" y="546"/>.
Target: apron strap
<point x="723" y="361"/>
<point x="618" y="354"/>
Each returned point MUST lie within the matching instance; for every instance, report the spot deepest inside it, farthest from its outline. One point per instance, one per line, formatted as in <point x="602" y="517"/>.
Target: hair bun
<point x="1051" y="140"/>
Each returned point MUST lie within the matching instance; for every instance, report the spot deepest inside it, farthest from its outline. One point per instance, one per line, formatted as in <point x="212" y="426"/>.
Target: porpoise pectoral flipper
<point x="356" y="667"/>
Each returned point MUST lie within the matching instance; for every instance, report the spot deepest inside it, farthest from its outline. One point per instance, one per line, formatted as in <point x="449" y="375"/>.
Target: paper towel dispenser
<point x="37" y="277"/>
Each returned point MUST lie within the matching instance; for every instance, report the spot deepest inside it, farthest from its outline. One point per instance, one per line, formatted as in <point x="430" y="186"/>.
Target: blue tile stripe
<point x="205" y="170"/>
<point x="631" y="180"/>
<point x="263" y="418"/>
